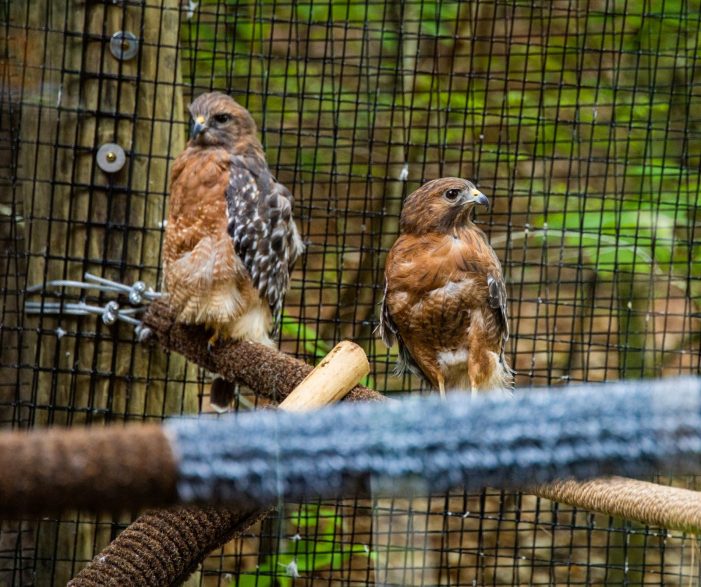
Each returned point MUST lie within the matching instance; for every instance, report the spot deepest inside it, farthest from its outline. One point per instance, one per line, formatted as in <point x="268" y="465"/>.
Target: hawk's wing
<point x="261" y="225"/>
<point x="387" y="329"/>
<point x="497" y="301"/>
<point x="483" y="261"/>
<point x="389" y="333"/>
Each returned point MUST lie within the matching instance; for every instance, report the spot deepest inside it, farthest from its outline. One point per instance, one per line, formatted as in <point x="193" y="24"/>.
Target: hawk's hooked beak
<point x="478" y="198"/>
<point x="197" y="127"/>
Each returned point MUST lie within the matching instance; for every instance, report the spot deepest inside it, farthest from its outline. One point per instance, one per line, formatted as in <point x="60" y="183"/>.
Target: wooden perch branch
<point x="330" y="380"/>
<point x="268" y="372"/>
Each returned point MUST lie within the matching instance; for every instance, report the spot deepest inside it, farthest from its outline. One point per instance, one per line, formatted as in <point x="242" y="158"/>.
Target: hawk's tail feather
<point x="222" y="393"/>
<point x="508" y="375"/>
<point x="277" y="322"/>
<point x="407" y="364"/>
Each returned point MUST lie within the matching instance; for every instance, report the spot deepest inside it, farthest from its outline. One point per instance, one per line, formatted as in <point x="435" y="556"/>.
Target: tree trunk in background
<point x="16" y="542"/>
<point x="78" y="96"/>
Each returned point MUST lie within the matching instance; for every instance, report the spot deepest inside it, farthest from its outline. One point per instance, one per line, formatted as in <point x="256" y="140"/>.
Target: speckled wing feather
<point x="497" y="301"/>
<point x="261" y="226"/>
<point x="483" y="261"/>
<point x="387" y="329"/>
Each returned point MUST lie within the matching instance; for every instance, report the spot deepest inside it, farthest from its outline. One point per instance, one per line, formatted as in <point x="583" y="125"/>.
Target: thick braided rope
<point x="424" y="444"/>
<point x="666" y="507"/>
<point x="164" y="547"/>
<point x="269" y="372"/>
<point x="402" y="448"/>
<point x="49" y="471"/>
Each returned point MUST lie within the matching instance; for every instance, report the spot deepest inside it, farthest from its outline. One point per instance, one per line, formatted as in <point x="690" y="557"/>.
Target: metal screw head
<point x="136" y="293"/>
<point x="143" y="333"/>
<point x="109" y="315"/>
<point x="111" y="157"/>
<point x="124" y="45"/>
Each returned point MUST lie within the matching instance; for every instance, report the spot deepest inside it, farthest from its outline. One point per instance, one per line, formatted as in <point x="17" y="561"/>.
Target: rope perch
<point x="268" y="372"/>
<point x="416" y="446"/>
<point x="649" y="503"/>
<point x="48" y="471"/>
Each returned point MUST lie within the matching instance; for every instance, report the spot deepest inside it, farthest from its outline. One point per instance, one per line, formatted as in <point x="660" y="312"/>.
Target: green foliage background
<point x="315" y="545"/>
<point x="579" y="119"/>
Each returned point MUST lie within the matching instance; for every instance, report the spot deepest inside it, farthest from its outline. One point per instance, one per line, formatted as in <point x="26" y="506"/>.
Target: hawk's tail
<point x="222" y="394"/>
<point x="507" y="374"/>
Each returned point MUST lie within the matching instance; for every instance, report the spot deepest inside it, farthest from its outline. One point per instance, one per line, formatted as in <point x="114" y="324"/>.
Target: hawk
<point x="230" y="239"/>
<point x="445" y="299"/>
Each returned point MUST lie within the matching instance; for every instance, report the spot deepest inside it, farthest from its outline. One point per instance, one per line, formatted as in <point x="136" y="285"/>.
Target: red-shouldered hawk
<point x="445" y="298"/>
<point x="230" y="240"/>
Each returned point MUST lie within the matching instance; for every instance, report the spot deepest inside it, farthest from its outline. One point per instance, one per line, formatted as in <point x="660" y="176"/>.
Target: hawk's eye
<point x="222" y="118"/>
<point x="452" y="195"/>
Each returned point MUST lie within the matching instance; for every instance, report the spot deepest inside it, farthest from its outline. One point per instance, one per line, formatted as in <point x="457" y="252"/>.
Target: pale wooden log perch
<point x="331" y="379"/>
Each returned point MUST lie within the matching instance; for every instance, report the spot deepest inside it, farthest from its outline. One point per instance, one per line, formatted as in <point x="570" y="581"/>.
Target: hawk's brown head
<point x="440" y="206"/>
<point x="219" y="121"/>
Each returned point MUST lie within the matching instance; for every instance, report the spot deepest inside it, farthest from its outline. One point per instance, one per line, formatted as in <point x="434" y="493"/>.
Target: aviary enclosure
<point x="581" y="120"/>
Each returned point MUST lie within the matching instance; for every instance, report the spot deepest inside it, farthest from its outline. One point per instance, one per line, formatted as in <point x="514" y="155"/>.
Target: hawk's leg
<point x="212" y="340"/>
<point x="441" y="385"/>
<point x="222" y="394"/>
<point x="475" y="372"/>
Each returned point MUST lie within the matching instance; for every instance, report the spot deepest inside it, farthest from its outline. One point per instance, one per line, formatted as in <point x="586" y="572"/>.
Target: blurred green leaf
<point x="316" y="549"/>
<point x="296" y="330"/>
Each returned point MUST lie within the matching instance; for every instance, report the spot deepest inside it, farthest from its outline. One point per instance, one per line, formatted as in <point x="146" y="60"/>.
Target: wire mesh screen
<point x="580" y="121"/>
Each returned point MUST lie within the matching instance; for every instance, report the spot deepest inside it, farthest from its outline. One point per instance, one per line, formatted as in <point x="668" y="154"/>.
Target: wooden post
<point x="15" y="541"/>
<point x="78" y="96"/>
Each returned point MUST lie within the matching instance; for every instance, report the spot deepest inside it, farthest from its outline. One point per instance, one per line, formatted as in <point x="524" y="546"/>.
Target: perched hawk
<point x="445" y="299"/>
<point x="230" y="240"/>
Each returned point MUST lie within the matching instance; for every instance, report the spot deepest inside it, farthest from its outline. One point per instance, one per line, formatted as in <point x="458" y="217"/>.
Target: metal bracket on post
<point x="138" y="294"/>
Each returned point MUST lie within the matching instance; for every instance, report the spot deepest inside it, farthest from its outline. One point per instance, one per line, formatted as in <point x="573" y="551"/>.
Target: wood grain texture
<point x="337" y="373"/>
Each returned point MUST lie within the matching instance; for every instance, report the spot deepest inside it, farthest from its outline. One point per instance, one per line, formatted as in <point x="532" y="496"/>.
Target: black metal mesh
<point x="580" y="121"/>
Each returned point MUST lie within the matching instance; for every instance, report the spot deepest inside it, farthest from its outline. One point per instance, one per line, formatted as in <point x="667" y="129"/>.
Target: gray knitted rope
<point x="424" y="444"/>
